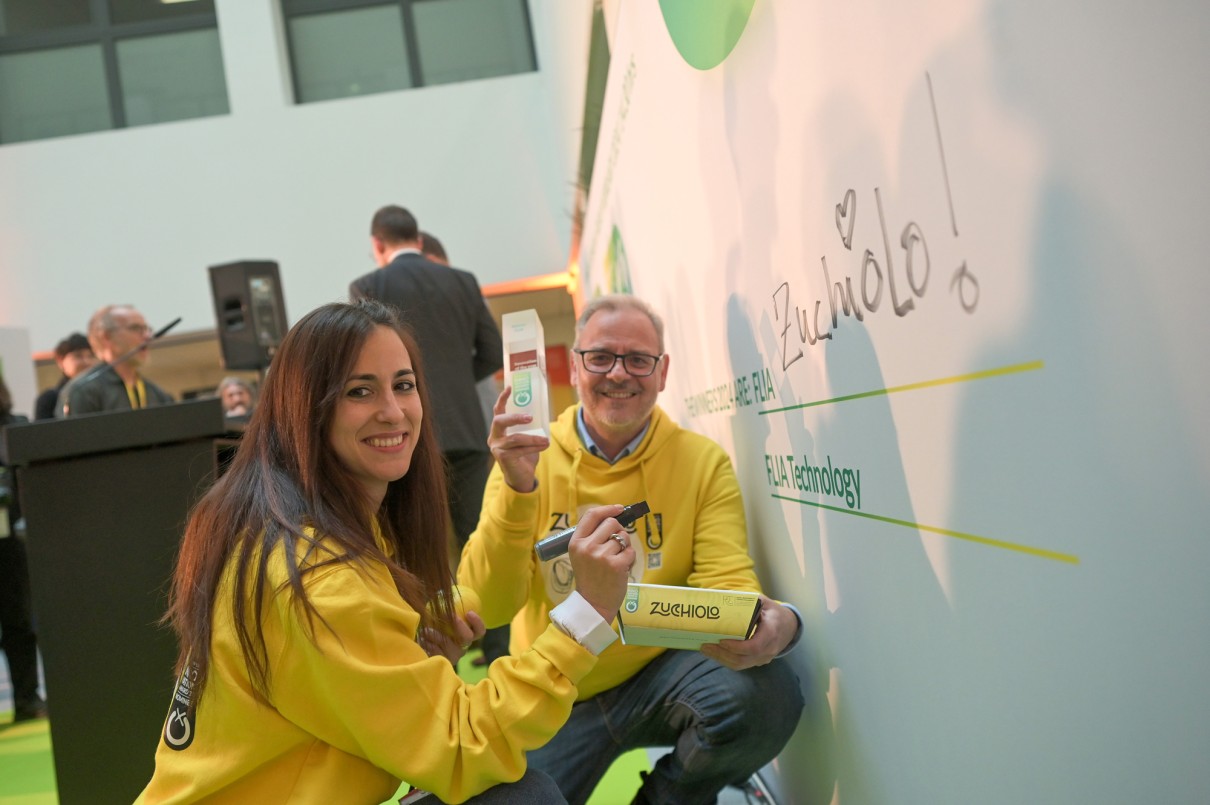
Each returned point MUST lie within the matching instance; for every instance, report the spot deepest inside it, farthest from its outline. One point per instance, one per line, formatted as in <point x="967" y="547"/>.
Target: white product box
<point x="525" y="370"/>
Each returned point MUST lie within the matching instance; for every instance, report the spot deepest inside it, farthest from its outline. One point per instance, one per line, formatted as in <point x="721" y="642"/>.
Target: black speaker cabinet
<point x="249" y="312"/>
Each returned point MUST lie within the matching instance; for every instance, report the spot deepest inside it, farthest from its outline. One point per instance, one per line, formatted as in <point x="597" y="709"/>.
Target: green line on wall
<point x="924" y="384"/>
<point x="994" y="543"/>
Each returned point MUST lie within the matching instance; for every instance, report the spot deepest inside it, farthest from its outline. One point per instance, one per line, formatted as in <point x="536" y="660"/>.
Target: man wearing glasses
<point x="120" y="337"/>
<point x="727" y="709"/>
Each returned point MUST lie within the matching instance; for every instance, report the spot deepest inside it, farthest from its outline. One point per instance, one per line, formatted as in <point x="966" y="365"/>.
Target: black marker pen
<point x="556" y="544"/>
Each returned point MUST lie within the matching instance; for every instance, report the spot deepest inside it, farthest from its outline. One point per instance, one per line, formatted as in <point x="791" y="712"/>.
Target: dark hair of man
<point x="394" y="224"/>
<point x="73" y="343"/>
<point x="285" y="477"/>
<point x="6" y="398"/>
<point x="431" y="247"/>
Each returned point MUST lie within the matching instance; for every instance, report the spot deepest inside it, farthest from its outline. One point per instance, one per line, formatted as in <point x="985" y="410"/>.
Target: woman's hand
<point x="601" y="557"/>
<point x="452" y="646"/>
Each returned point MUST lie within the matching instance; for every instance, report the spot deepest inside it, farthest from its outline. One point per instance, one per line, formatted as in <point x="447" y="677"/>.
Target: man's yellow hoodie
<point x="695" y="535"/>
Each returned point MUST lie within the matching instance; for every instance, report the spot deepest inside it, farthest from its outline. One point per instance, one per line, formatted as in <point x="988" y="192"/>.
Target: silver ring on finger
<point x="620" y="539"/>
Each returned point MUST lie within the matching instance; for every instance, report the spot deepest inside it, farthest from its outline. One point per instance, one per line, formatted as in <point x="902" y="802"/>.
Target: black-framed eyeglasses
<point x="602" y="361"/>
<point x="141" y="329"/>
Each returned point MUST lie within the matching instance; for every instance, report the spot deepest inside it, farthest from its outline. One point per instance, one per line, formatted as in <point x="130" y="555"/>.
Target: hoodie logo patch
<point x="655" y="536"/>
<point x="557" y="574"/>
<point x="178" y="728"/>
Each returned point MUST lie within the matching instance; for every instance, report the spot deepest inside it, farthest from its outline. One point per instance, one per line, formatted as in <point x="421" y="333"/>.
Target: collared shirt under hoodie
<point x="695" y="535"/>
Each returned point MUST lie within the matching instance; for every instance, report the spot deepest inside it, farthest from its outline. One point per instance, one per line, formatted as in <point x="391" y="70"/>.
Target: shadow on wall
<point x="1108" y="659"/>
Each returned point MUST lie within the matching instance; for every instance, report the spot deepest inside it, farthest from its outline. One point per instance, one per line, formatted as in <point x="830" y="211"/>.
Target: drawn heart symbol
<point x="846" y="209"/>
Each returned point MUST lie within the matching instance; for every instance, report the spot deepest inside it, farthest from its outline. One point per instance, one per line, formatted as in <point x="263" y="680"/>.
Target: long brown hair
<point x="285" y="478"/>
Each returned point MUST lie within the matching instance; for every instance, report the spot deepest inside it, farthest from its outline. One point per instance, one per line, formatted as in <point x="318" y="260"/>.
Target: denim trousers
<point x="535" y="788"/>
<point x="722" y="725"/>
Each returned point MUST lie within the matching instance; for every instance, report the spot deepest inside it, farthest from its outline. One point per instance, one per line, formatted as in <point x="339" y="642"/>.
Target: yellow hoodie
<point x="359" y="708"/>
<point x="695" y="535"/>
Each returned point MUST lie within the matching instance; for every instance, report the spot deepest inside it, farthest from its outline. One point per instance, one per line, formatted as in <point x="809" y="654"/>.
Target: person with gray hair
<point x="115" y="332"/>
<point x="236" y="396"/>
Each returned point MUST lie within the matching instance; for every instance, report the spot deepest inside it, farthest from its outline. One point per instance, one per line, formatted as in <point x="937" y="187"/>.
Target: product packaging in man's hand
<point x="525" y="370"/>
<point x="686" y="617"/>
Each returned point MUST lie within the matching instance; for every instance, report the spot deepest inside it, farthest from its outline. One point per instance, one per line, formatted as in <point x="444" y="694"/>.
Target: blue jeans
<point x="535" y="788"/>
<point x="723" y="726"/>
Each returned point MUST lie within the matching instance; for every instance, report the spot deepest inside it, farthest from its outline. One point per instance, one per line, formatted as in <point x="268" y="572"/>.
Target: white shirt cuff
<point x="577" y="619"/>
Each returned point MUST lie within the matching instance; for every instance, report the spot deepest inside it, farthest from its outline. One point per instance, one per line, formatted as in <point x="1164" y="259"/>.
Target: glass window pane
<point x="348" y="53"/>
<point x="49" y="93"/>
<point x="142" y="10"/>
<point x="172" y="77"/>
<point x="461" y="40"/>
<point x="33" y="16"/>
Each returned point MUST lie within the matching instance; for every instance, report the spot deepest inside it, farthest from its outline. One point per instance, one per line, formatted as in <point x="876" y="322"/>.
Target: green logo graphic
<point x="632" y="599"/>
<point x="523" y="393"/>
<point x="705" y="31"/>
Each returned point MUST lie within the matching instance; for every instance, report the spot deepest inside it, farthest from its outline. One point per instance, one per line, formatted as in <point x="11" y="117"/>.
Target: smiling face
<point x="617" y="405"/>
<point x="376" y="423"/>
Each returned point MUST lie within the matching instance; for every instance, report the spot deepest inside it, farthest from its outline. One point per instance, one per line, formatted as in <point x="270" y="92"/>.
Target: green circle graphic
<point x="705" y="31"/>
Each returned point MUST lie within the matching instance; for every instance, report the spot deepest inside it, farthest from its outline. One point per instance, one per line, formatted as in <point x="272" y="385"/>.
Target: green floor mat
<point x="27" y="772"/>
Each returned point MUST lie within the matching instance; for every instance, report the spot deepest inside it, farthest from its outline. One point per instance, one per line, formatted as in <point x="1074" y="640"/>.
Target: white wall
<point x="16" y="370"/>
<point x="1016" y="610"/>
<point x="136" y="215"/>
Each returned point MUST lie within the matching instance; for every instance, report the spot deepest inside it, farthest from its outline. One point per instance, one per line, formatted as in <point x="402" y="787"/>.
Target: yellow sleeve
<point x="498" y="560"/>
<point x="364" y="686"/>
<point x="720" y="534"/>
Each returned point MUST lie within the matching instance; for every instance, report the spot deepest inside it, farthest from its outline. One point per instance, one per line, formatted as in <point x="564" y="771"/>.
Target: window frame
<point x="106" y="33"/>
<point x="291" y="9"/>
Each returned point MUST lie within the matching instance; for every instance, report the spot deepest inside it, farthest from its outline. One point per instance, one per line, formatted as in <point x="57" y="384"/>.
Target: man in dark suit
<point x="459" y="341"/>
<point x="489" y="387"/>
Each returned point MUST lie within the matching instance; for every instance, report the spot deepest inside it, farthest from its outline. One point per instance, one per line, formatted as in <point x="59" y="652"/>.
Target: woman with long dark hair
<point x="311" y="600"/>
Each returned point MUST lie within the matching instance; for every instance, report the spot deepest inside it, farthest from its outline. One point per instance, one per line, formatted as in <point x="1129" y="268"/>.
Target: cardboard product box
<point x="685" y="617"/>
<point x="525" y="370"/>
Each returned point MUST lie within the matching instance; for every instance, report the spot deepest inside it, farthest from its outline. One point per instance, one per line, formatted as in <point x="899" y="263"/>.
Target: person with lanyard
<point x="727" y="709"/>
<point x="120" y="337"/>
